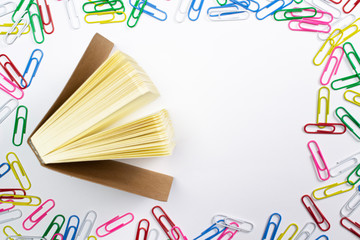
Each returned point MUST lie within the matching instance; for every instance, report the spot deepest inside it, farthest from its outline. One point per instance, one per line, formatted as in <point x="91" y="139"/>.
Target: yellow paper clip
<point x="91" y="238"/>
<point x="346" y="36"/>
<point x="323" y="95"/>
<point x="296" y="228"/>
<point x="11" y="198"/>
<point x="329" y="44"/>
<point x="111" y="17"/>
<point x="324" y="190"/>
<point x="22" y="171"/>
<point x="355" y="95"/>
<point x="16" y="30"/>
<point x="13" y="232"/>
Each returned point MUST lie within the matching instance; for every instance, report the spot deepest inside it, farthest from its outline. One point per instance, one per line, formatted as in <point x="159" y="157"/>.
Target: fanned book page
<point x="84" y="128"/>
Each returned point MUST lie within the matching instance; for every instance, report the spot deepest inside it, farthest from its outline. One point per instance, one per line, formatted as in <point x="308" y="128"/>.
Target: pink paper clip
<point x="3" y="209"/>
<point x="49" y="17"/>
<point x="228" y="231"/>
<point x="351" y="229"/>
<point x="179" y="233"/>
<point x="144" y="229"/>
<point x="107" y="224"/>
<point x="335" y="68"/>
<point x="162" y="224"/>
<point x="61" y="237"/>
<point x="315" y="213"/>
<point x="320" y="169"/>
<point x="300" y="25"/>
<point x="355" y="3"/>
<point x="4" y="63"/>
<point x="15" y="92"/>
<point x="38" y="219"/>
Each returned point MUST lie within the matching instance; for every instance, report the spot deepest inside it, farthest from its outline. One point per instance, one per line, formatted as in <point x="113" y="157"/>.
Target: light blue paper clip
<point x="6" y="171"/>
<point x="269" y="9"/>
<point x="157" y="14"/>
<point x="213" y="228"/>
<point x="197" y="10"/>
<point x="322" y="237"/>
<point x="276" y="226"/>
<point x="68" y="228"/>
<point x="247" y="4"/>
<point x="37" y="61"/>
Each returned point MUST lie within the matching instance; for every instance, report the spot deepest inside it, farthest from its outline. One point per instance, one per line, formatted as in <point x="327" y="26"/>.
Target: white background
<point x="239" y="94"/>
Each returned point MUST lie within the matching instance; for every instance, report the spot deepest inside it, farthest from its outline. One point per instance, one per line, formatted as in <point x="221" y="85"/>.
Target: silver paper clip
<point x="11" y="5"/>
<point x="244" y="226"/>
<point x="14" y="26"/>
<point x="340" y="167"/>
<point x="325" y="6"/>
<point x="351" y="204"/>
<point x="7" y="108"/>
<point x="228" y="12"/>
<point x="150" y="234"/>
<point x="181" y="11"/>
<point x="15" y="237"/>
<point x="88" y="220"/>
<point x="72" y="14"/>
<point x="338" y="24"/>
<point x="4" y="216"/>
<point x="307" y="230"/>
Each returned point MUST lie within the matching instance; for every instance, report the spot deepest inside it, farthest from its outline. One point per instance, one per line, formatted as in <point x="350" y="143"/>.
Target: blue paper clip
<point x="276" y="226"/>
<point x="269" y="9"/>
<point x="68" y="228"/>
<point x="6" y="171"/>
<point x="16" y="125"/>
<point x="197" y="10"/>
<point x="247" y="4"/>
<point x="37" y="61"/>
<point x="213" y="228"/>
<point x="157" y="14"/>
<point x="322" y="237"/>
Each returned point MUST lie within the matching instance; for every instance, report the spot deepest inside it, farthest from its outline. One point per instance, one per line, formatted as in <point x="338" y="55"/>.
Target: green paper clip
<point x="109" y="6"/>
<point x="356" y="173"/>
<point x="353" y="53"/>
<point x="36" y="26"/>
<point x="16" y="125"/>
<point x="17" y="10"/>
<point x="286" y="14"/>
<point x="132" y="14"/>
<point x="54" y="223"/>
<point x="326" y="98"/>
<point x="349" y="116"/>
<point x="348" y="85"/>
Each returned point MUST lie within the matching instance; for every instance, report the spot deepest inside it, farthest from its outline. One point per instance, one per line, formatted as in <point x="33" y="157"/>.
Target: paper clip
<point x="7" y="169"/>
<point x="57" y="235"/>
<point x="121" y="225"/>
<point x="194" y="13"/>
<point x="228" y="232"/>
<point x="111" y="19"/>
<point x="7" y="7"/>
<point x="4" y="209"/>
<point x="324" y="190"/>
<point x="349" y="53"/>
<point x="91" y="238"/>
<point x="356" y="173"/>
<point x="353" y="28"/>
<point x="269" y="9"/>
<point x="143" y="229"/>
<point x="36" y="23"/>
<point x="246" y="4"/>
<point x="338" y="24"/>
<point x="246" y="226"/>
<point x="296" y="228"/>
<point x="14" y="27"/>
<point x="37" y="62"/>
<point x="335" y="65"/>
<point x="13" y="197"/>
<point x="163" y="225"/>
<point x="350" y="117"/>
<point x="353" y="79"/>
<point x="351" y="204"/>
<point x="14" y="214"/>
<point x="56" y="224"/>
<point x="49" y="21"/>
<point x="304" y="25"/>
<point x="181" y="10"/>
<point x="7" y="62"/>
<point x="286" y="14"/>
<point x="229" y="12"/>
<point x="150" y="234"/>
<point x="305" y="231"/>
<point x="34" y="222"/>
<point x="326" y="98"/>
<point x="23" y="119"/>
<point x="25" y="238"/>
<point x="136" y="13"/>
<point x="13" y="232"/>
<point x="21" y="168"/>
<point x="355" y="3"/>
<point x="9" y="25"/>
<point x="70" y="226"/>
<point x="157" y="13"/>
<point x="72" y="14"/>
<point x="351" y="227"/>
<point x="319" y="161"/>
<point x="322" y="237"/>
<point x="14" y="191"/>
<point x="21" y="8"/>
<point x="88" y="220"/>
<point x="177" y="231"/>
<point x="7" y="108"/>
<point x="329" y="45"/>
<point x="212" y="228"/>
<point x="106" y="6"/>
<point x="14" y="91"/>
<point x="354" y="94"/>
<point x="275" y="224"/>
<point x="315" y="213"/>
<point x="325" y="6"/>
<point x="326" y="128"/>
<point x="354" y="161"/>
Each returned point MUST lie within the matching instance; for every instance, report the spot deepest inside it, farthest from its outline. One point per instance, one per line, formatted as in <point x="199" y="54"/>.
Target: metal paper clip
<point x="286" y="14"/>
<point x="13" y="232"/>
<point x="55" y="237"/>
<point x="36" y="23"/>
<point x="17" y="132"/>
<point x="29" y="199"/>
<point x="274" y="224"/>
<point x="324" y="190"/>
<point x="349" y="10"/>
<point x="194" y="13"/>
<point x="155" y="12"/>
<point x="296" y="228"/>
<point x="322" y="237"/>
<point x="7" y="108"/>
<point x="213" y="228"/>
<point x="10" y="215"/>
<point x="121" y="225"/>
<point x="177" y="231"/>
<point x="49" y="21"/>
<point x="356" y="173"/>
<point x="4" y="209"/>
<point x="25" y="238"/>
<point x="325" y="6"/>
<point x="269" y="9"/>
<point x="246" y="226"/>
<point x="315" y="213"/>
<point x="335" y="67"/>
<point x="329" y="45"/>
<point x="72" y="14"/>
<point x="14" y="91"/>
<point x="20" y="21"/>
<point x="55" y="223"/>
<point x="70" y="226"/>
<point x="106" y="6"/>
<point x="228" y="233"/>
<point x="22" y="170"/>
<point x="150" y="235"/>
<point x="8" y="65"/>
<point x="338" y="24"/>
<point x="319" y="161"/>
<point x="229" y="12"/>
<point x="352" y="224"/>
<point x="111" y="19"/>
<point x="326" y="98"/>
<point x="182" y="9"/>
<point x="89" y="221"/>
<point x="344" y="82"/>
<point x="7" y="169"/>
<point x="349" y="53"/>
<point x="34" y="222"/>
<point x="354" y="161"/>
<point x="37" y="62"/>
<point x="351" y="204"/>
<point x="354" y="94"/>
<point x="305" y="231"/>
<point x="7" y="7"/>
<point x="136" y="13"/>
<point x="144" y="229"/>
<point x="350" y="117"/>
<point x="163" y="225"/>
<point x="326" y="128"/>
<point x="21" y="9"/>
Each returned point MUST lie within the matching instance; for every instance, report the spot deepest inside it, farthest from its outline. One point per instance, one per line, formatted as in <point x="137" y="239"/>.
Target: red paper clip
<point x="107" y="224"/>
<point x="145" y="229"/>
<point x="12" y="191"/>
<point x="38" y="219"/>
<point x="329" y="128"/>
<point x="354" y="6"/>
<point x="14" y="69"/>
<point x="357" y="225"/>
<point x="50" y="21"/>
<point x="320" y="222"/>
<point x="162" y="225"/>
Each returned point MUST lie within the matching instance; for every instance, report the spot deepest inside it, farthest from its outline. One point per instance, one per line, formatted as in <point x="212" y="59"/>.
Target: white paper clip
<point x="150" y="234"/>
<point x="182" y="9"/>
<point x="350" y="206"/>
<point x="229" y="12"/>
<point x="244" y="226"/>
<point x="7" y="108"/>
<point x="325" y="6"/>
<point x="14" y="26"/>
<point x="10" y="215"/>
<point x="306" y="231"/>
<point x="88" y="220"/>
<point x="15" y="237"/>
<point x="338" y="24"/>
<point x="72" y="14"/>
<point x="7" y="7"/>
<point x="345" y="165"/>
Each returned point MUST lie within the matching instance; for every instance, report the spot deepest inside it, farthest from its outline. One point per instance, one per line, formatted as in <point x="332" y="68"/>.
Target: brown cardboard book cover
<point x="107" y="172"/>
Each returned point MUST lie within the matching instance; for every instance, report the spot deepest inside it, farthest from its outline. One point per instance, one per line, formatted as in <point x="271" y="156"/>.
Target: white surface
<point x="239" y="94"/>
